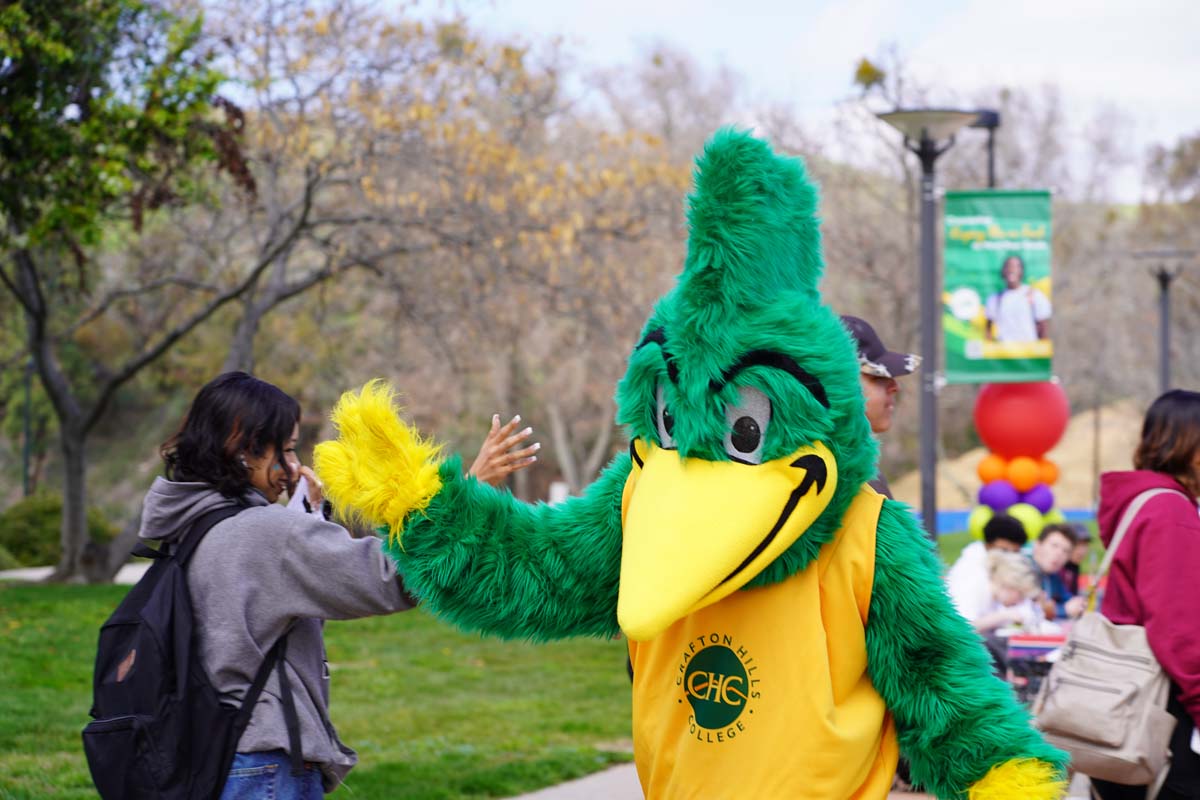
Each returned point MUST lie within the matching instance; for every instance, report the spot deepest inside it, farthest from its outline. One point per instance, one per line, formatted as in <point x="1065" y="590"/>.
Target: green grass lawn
<point x="433" y="713"/>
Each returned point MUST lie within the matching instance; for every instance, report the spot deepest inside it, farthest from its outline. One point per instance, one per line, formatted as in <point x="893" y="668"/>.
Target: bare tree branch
<point x="133" y="365"/>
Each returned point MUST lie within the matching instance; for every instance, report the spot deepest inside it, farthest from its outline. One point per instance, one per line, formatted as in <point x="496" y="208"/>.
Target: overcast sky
<point x="1142" y="57"/>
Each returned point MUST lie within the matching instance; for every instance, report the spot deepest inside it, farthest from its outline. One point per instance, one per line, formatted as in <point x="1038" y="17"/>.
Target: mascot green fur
<point x="789" y="632"/>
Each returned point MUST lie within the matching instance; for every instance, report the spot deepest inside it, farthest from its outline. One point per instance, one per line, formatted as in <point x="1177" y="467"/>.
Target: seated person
<point x="1051" y="552"/>
<point x="1074" y="565"/>
<point x="1013" y="584"/>
<point x="967" y="580"/>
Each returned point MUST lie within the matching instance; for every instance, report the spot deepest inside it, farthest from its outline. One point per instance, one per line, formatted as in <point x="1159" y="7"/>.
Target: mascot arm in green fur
<point x="472" y="553"/>
<point x="929" y="667"/>
<point x="488" y="562"/>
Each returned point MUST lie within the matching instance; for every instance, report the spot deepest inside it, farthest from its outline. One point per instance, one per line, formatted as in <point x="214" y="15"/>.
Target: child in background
<point x="1014" y="585"/>
<point x="1051" y="553"/>
<point x="1074" y="566"/>
<point x="967" y="580"/>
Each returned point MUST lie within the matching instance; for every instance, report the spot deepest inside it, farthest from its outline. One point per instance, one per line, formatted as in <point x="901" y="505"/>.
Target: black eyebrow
<point x="770" y="358"/>
<point x="659" y="337"/>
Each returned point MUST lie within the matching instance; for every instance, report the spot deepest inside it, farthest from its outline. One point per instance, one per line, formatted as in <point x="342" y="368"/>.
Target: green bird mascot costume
<point x="787" y="626"/>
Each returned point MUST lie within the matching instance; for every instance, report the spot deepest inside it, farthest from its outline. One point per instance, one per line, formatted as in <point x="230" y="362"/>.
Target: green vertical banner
<point x="996" y="304"/>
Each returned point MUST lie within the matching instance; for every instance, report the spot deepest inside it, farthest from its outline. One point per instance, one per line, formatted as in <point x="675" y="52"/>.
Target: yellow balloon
<point x="1029" y="517"/>
<point x="978" y="518"/>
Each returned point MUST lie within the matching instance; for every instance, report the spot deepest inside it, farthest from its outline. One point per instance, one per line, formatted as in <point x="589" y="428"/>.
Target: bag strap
<point x="275" y="659"/>
<point x="289" y="714"/>
<point x="189" y="541"/>
<point x="206" y="522"/>
<point x="246" y="710"/>
<point x="1123" y="527"/>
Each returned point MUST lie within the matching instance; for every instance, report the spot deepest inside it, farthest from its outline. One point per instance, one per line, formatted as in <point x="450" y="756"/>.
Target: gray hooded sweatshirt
<point x="258" y="574"/>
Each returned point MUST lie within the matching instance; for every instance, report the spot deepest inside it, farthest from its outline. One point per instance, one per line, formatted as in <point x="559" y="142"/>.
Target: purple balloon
<point x="998" y="494"/>
<point x="1040" y="497"/>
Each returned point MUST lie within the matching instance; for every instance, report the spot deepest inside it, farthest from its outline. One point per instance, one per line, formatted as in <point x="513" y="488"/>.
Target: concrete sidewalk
<point x="621" y="783"/>
<point x="614" y="783"/>
<point x="128" y="574"/>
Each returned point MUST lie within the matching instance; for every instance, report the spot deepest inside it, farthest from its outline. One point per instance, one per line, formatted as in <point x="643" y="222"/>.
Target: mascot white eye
<point x="664" y="421"/>
<point x="747" y="426"/>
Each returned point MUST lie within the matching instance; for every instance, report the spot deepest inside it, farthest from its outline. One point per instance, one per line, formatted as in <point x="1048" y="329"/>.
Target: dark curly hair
<point x="1003" y="526"/>
<point x="1171" y="437"/>
<point x="232" y="415"/>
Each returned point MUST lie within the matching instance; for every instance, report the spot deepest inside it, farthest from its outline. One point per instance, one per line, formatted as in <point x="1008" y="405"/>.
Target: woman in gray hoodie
<point x="269" y="571"/>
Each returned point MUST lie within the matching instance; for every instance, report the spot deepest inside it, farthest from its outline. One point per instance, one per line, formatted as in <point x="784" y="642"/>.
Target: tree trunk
<point x="37" y="466"/>
<point x="114" y="554"/>
<point x="507" y="375"/>
<point x="241" y="349"/>
<point x="74" y="511"/>
<point x="599" y="456"/>
<point x="564" y="452"/>
<point x="579" y="469"/>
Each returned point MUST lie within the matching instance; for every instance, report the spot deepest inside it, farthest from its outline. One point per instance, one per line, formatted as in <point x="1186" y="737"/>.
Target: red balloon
<point x="1021" y="419"/>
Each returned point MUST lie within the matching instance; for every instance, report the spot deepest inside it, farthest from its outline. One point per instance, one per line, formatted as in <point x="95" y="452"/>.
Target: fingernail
<point x="527" y="431"/>
<point x="517" y="418"/>
<point x="533" y="458"/>
<point x="537" y="445"/>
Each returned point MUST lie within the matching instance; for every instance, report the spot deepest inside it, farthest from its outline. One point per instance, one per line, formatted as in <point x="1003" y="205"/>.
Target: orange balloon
<point x="1048" y="471"/>
<point x="992" y="468"/>
<point x="1023" y="473"/>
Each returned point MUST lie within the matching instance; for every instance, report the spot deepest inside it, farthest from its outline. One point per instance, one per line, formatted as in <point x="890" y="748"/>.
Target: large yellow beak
<point x="695" y="531"/>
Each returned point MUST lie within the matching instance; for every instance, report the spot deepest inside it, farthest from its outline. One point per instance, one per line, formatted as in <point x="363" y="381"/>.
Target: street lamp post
<point x="989" y="120"/>
<point x="1165" y="273"/>
<point x="928" y="133"/>
<point x="1164" y="276"/>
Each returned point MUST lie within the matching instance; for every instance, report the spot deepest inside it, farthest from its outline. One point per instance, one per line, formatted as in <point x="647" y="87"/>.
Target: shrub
<point x="7" y="561"/>
<point x="31" y="528"/>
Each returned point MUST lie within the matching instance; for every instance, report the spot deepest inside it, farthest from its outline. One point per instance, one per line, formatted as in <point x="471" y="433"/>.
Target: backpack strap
<point x="206" y="522"/>
<point x="274" y="659"/>
<point x="1131" y="512"/>
<point x="290" y="719"/>
<point x="246" y="710"/>
<point x="200" y="527"/>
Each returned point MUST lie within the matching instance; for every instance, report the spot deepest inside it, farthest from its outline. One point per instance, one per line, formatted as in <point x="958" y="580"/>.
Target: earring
<point x="243" y="460"/>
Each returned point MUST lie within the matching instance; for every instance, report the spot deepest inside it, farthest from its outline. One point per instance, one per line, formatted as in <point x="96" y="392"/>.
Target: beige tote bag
<point x="1105" y="700"/>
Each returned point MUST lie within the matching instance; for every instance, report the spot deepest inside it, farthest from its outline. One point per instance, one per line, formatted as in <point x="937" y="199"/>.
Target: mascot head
<point x="742" y="398"/>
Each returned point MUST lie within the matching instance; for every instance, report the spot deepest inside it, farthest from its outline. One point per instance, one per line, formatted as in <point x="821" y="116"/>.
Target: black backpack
<point x="160" y="729"/>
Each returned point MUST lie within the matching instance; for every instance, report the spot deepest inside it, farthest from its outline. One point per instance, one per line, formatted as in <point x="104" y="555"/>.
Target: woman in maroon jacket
<point x="1154" y="574"/>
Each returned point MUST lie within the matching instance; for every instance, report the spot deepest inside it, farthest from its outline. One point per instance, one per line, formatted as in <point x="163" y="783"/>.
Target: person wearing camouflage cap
<point x="878" y="370"/>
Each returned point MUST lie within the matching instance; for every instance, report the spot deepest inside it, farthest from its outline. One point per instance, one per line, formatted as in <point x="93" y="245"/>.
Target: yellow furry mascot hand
<point x="378" y="470"/>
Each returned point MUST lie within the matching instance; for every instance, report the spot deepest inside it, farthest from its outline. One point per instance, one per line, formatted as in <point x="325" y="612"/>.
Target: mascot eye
<point x="748" y="421"/>
<point x="665" y="422"/>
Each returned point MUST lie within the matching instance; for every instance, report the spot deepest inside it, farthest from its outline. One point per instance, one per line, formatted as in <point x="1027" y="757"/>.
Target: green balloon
<point x="978" y="518"/>
<point x="1029" y="517"/>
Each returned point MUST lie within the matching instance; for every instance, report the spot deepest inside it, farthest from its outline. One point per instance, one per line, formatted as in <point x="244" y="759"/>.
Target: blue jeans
<point x="268" y="776"/>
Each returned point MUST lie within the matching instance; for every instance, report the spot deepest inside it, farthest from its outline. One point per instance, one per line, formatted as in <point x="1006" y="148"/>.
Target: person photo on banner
<point x="1018" y="313"/>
